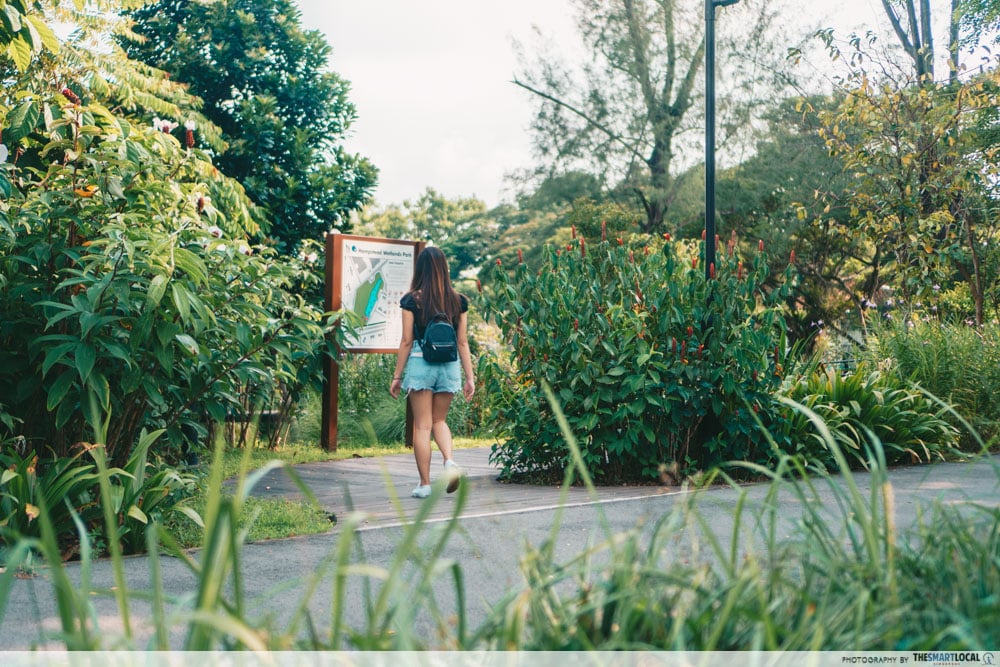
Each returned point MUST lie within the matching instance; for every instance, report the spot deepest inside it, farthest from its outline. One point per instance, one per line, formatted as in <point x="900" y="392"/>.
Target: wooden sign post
<point x="367" y="276"/>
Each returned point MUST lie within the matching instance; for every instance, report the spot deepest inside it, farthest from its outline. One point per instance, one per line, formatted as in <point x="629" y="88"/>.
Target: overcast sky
<point x="431" y="81"/>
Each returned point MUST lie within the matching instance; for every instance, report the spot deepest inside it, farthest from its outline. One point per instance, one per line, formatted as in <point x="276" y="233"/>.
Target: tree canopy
<point x="265" y="82"/>
<point x="627" y="114"/>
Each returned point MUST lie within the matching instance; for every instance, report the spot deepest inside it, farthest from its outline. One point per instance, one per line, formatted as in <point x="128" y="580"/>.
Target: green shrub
<point x="952" y="360"/>
<point x="143" y="492"/>
<point x="140" y="492"/>
<point x="654" y="365"/>
<point x="63" y="485"/>
<point x="860" y="408"/>
<point x="130" y="295"/>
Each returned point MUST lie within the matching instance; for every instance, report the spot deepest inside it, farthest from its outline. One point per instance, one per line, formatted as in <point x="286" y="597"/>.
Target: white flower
<point x="162" y="125"/>
<point x="311" y="258"/>
<point x="3" y="153"/>
<point x="190" y="125"/>
<point x="215" y="231"/>
<point x="245" y="249"/>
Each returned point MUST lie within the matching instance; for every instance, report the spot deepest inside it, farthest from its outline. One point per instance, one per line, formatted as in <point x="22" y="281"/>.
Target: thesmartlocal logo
<point x="952" y="658"/>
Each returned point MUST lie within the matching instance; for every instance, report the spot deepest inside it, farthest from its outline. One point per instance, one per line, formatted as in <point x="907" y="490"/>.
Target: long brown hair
<point x="431" y="287"/>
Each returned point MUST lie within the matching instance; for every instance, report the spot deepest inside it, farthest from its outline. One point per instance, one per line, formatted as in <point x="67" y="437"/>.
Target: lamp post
<point x="710" y="6"/>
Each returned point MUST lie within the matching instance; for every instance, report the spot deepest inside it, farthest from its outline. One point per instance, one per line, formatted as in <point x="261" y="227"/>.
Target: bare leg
<point x="421" y="401"/>
<point x="442" y="434"/>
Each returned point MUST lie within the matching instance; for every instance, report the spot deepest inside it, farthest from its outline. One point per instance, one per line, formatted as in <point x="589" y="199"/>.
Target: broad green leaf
<point x="41" y="30"/>
<point x="11" y="18"/>
<point x="137" y="514"/>
<point x="20" y="52"/>
<point x="55" y="355"/>
<point x="182" y="301"/>
<point x="86" y="355"/>
<point x="191" y="264"/>
<point x="22" y="119"/>
<point x="188" y="343"/>
<point x="157" y="286"/>
<point x="59" y="389"/>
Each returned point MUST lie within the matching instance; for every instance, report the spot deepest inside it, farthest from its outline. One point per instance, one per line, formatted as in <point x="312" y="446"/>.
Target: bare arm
<point x="405" y="345"/>
<point x="465" y="356"/>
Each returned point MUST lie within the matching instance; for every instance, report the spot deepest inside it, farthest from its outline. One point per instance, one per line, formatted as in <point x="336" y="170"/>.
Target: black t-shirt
<point x="410" y="303"/>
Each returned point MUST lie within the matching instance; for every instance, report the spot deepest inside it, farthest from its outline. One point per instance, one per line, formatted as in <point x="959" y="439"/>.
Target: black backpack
<point x="440" y="343"/>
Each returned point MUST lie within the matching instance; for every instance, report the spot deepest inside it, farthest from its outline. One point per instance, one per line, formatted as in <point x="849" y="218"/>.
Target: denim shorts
<point x="439" y="378"/>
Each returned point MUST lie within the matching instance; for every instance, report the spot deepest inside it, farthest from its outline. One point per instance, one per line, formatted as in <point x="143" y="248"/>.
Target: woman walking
<point x="431" y="386"/>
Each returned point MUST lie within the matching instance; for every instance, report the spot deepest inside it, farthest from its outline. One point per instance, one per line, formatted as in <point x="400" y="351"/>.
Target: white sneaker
<point x="422" y="491"/>
<point x="453" y="474"/>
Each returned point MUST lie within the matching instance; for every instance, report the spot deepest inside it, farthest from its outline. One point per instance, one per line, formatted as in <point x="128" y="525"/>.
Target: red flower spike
<point x="673" y="345"/>
<point x="760" y="245"/>
<point x="479" y="286"/>
<point x="791" y="257"/>
<point x="572" y="230"/>
<point x="621" y="241"/>
<point x="631" y="256"/>
<point x="583" y="248"/>
<point x="701" y="348"/>
<point x="499" y="263"/>
<point x="703" y="235"/>
<point x="690" y="331"/>
<point x="189" y="138"/>
<point x="666" y="236"/>
<point x="520" y="256"/>
<point x="711" y="270"/>
<point x="604" y="230"/>
<point x="694" y="262"/>
<point x="739" y="270"/>
<point x="576" y="324"/>
<point x="70" y="95"/>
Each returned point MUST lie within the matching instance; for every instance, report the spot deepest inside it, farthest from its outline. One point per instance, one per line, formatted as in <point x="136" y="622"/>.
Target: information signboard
<point x="367" y="276"/>
<point x="374" y="275"/>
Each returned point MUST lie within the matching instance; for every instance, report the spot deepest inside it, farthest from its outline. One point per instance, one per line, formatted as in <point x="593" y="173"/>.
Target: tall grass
<point x="840" y="576"/>
<point x="952" y="360"/>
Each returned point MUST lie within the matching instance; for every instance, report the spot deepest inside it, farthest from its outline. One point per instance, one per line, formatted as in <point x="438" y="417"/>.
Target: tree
<point x="628" y="118"/>
<point x="911" y="23"/>
<point x="978" y="20"/>
<point x="460" y="227"/>
<point x="923" y="199"/>
<point x="264" y="81"/>
<point x="771" y="197"/>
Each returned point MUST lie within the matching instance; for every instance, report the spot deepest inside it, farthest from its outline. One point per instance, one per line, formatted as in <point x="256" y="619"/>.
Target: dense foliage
<point x="656" y="367"/>
<point x="952" y="360"/>
<point x="265" y="82"/>
<point x="131" y="296"/>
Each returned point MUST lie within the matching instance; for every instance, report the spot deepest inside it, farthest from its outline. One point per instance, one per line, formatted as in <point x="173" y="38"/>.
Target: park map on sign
<point x="375" y="276"/>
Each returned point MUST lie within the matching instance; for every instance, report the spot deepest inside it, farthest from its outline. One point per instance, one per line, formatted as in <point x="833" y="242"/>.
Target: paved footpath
<point x="498" y="522"/>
